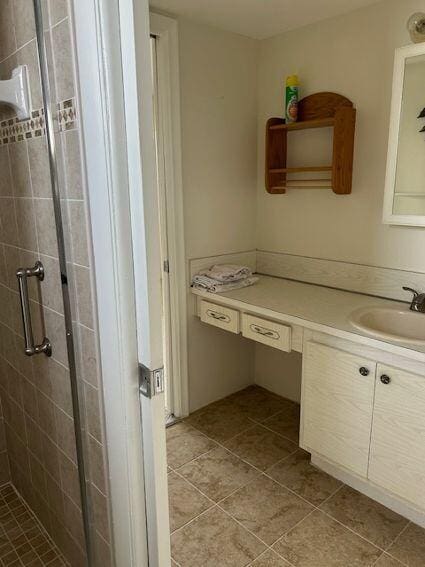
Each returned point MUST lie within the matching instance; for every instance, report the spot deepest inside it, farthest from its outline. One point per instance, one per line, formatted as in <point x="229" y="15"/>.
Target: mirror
<point x="405" y="182"/>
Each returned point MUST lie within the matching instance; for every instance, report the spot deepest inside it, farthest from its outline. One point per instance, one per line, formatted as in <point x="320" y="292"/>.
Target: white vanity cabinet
<point x="367" y="417"/>
<point x="397" y="453"/>
<point x="337" y="405"/>
<point x="362" y="399"/>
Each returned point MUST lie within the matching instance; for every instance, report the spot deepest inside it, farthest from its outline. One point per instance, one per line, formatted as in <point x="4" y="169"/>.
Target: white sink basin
<point x="393" y="324"/>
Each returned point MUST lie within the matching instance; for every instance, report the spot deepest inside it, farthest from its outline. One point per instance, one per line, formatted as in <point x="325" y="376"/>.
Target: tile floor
<point x="23" y="541"/>
<point x="242" y="493"/>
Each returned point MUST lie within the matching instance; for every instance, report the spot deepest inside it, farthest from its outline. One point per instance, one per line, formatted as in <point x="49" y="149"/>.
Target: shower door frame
<point x="103" y="30"/>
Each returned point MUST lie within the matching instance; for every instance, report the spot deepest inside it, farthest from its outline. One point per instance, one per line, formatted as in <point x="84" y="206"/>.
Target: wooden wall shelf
<point x="320" y="110"/>
<point x="319" y="123"/>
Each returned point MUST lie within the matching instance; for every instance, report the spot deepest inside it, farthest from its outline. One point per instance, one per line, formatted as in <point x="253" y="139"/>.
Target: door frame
<point x="100" y="26"/>
<point x="169" y="123"/>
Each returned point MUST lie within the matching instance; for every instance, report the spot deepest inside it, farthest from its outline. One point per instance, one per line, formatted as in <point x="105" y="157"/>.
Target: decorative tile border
<point x="14" y="130"/>
<point x="67" y="115"/>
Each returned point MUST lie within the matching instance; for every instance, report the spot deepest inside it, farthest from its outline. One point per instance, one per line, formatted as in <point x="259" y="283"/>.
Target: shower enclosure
<point x="53" y="488"/>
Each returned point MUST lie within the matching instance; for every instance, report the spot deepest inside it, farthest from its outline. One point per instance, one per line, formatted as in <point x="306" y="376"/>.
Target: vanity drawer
<point x="220" y="316"/>
<point x="266" y="332"/>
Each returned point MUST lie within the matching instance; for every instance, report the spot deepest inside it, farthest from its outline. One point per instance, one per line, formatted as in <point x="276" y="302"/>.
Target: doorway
<point x="164" y="46"/>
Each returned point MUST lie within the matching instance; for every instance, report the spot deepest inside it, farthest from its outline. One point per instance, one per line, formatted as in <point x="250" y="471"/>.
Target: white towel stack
<point x="224" y="277"/>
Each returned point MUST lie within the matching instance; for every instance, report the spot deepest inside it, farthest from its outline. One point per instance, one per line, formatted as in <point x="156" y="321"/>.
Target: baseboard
<point x="371" y="490"/>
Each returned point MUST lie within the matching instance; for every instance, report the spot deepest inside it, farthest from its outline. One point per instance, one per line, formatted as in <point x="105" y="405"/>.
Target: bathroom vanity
<point x="363" y="397"/>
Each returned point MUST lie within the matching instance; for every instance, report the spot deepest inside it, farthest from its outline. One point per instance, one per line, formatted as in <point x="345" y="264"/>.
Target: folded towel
<point x="213" y="286"/>
<point x="227" y="272"/>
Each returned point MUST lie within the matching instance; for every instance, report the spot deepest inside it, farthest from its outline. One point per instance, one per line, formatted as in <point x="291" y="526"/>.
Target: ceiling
<point x="258" y="19"/>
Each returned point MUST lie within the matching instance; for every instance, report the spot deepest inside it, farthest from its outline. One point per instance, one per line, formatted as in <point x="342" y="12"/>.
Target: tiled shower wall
<point x="35" y="392"/>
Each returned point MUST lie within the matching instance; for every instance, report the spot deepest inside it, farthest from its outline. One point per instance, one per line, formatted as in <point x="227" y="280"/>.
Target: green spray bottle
<point x="291" y="98"/>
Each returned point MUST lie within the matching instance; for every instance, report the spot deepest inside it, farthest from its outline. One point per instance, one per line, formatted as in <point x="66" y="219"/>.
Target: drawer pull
<point x="218" y="316"/>
<point x="265" y="332"/>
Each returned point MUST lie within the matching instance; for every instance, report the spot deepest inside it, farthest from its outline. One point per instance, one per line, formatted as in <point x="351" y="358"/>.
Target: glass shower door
<point x="53" y="449"/>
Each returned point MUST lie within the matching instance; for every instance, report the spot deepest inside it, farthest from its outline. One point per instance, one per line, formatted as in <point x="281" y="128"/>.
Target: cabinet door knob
<point x="364" y="371"/>
<point x="385" y="379"/>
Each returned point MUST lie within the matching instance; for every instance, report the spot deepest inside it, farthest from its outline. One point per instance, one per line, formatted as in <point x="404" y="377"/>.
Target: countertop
<point x="314" y="307"/>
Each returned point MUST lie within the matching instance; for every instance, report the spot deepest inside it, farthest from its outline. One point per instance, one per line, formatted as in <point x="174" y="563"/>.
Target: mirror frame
<point x="389" y="217"/>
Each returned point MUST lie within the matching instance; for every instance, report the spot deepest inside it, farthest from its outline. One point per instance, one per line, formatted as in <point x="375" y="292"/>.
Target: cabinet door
<point x="336" y="406"/>
<point x="397" y="456"/>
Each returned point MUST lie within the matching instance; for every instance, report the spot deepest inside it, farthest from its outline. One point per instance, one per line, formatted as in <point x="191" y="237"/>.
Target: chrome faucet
<point x="418" y="301"/>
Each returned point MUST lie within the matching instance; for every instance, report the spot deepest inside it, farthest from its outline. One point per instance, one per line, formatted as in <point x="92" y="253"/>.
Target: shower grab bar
<point x="23" y="274"/>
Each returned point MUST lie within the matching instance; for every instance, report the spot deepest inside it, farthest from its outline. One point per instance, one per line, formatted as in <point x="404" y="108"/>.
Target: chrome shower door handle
<point x="23" y="274"/>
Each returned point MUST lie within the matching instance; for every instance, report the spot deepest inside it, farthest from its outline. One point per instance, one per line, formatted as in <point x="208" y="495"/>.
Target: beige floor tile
<point x="266" y="509"/>
<point x="185" y="443"/>
<point x="387" y="561"/>
<point x="218" y="473"/>
<point x="220" y="421"/>
<point x="410" y="546"/>
<point x="270" y="559"/>
<point x="366" y="517"/>
<point x="185" y="501"/>
<point x="320" y="541"/>
<point x="287" y="422"/>
<point x="299" y="475"/>
<point x="213" y="540"/>
<point x="258" y="403"/>
<point x="261" y="447"/>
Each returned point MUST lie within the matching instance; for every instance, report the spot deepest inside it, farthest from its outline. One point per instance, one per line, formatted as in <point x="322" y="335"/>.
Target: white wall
<point x="278" y="372"/>
<point x="351" y="55"/>
<point x="218" y="78"/>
